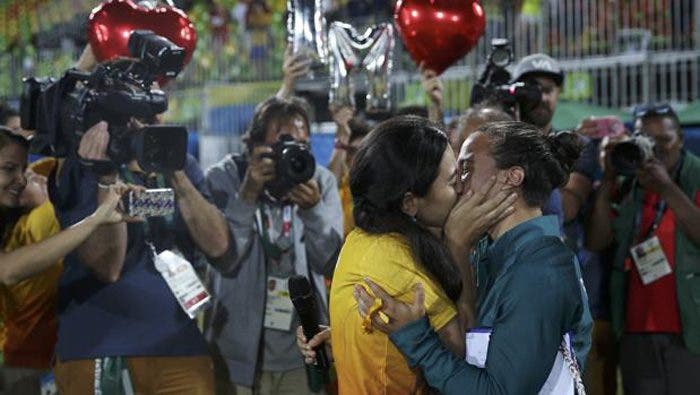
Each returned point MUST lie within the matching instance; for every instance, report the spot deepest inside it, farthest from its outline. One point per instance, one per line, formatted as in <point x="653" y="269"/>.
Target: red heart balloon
<point x="439" y="32"/>
<point x="111" y="24"/>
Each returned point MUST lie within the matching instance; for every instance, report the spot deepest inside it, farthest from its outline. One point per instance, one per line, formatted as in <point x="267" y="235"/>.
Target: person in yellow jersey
<point x="404" y="185"/>
<point x="351" y="130"/>
<point x="32" y="248"/>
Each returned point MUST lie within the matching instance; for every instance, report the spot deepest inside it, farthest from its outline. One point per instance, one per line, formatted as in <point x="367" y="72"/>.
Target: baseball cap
<point x="539" y="63"/>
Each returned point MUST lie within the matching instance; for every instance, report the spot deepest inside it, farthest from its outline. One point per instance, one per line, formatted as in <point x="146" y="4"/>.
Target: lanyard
<point x="661" y="207"/>
<point x="275" y="247"/>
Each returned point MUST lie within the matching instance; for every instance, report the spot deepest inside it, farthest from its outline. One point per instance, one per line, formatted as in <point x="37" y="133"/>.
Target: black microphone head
<point x="298" y="286"/>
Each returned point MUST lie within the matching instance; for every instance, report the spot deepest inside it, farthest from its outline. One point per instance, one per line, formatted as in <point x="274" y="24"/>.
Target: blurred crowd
<point x="92" y="298"/>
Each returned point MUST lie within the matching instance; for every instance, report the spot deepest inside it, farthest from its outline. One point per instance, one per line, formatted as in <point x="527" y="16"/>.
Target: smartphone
<point x="151" y="203"/>
<point x="608" y="126"/>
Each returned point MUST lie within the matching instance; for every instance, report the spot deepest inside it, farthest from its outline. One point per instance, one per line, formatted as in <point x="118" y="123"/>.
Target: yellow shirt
<point x="28" y="309"/>
<point x="346" y="203"/>
<point x="368" y="363"/>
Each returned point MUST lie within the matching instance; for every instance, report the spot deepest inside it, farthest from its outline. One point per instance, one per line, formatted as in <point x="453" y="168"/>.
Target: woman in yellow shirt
<point x="404" y="186"/>
<point x="32" y="247"/>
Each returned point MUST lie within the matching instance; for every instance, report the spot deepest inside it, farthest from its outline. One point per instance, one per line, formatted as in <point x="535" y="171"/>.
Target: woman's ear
<point x="409" y="205"/>
<point x="515" y="176"/>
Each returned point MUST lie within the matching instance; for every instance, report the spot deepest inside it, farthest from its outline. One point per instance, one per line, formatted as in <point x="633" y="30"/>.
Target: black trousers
<point x="658" y="364"/>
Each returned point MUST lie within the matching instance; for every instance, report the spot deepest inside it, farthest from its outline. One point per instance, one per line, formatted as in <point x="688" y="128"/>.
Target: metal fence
<point x="617" y="53"/>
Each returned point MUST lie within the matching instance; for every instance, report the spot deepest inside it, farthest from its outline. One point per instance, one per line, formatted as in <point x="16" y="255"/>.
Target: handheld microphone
<point x="304" y="301"/>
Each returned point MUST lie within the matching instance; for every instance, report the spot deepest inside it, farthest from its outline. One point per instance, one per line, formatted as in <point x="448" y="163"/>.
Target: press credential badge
<point x="279" y="309"/>
<point x="650" y="260"/>
<point x="182" y="281"/>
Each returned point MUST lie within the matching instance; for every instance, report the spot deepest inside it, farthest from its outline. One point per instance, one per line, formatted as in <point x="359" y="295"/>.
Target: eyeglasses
<point x="651" y="109"/>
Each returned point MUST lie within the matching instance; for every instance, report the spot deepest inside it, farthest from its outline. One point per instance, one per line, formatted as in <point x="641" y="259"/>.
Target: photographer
<point x="655" y="310"/>
<point x="274" y="237"/>
<point x="119" y="320"/>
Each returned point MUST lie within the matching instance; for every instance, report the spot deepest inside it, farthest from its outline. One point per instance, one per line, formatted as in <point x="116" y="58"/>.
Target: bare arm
<point x="599" y="233"/>
<point x="686" y="212"/>
<point x="574" y="194"/>
<point x="206" y="224"/>
<point x="30" y="260"/>
<point x="294" y="66"/>
<point x="103" y="252"/>
<point x="432" y="85"/>
<point x="337" y="164"/>
<point x="105" y="249"/>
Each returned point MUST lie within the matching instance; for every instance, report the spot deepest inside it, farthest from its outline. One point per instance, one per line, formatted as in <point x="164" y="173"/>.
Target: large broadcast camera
<point x="119" y="92"/>
<point x="494" y="85"/>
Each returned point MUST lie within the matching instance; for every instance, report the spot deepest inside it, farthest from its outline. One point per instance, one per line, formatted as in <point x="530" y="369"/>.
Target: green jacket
<point x="530" y="295"/>
<point x="687" y="265"/>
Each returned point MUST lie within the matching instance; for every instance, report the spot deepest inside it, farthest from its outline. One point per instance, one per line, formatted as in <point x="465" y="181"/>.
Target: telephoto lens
<point x="628" y="156"/>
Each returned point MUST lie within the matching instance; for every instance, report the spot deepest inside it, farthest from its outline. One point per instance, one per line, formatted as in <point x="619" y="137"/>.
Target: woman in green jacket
<point x="533" y="322"/>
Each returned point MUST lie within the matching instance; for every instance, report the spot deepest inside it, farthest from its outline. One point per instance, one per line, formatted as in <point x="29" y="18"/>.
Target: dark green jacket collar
<point x="502" y="252"/>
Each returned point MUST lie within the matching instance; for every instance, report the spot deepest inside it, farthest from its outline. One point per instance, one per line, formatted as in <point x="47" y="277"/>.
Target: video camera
<point x="495" y="85"/>
<point x="119" y="92"/>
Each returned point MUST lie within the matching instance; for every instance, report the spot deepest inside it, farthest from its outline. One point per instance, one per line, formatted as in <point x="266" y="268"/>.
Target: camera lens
<point x="300" y="165"/>
<point x="500" y="57"/>
<point x="626" y="158"/>
<point x="297" y="164"/>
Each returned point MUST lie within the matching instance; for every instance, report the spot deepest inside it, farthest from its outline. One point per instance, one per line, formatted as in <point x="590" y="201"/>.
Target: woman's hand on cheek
<point x="478" y="210"/>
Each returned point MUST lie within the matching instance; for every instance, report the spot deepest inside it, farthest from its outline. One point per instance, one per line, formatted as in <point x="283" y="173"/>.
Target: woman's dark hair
<point x="546" y="159"/>
<point x="274" y="109"/>
<point x="402" y="154"/>
<point x="358" y="129"/>
<point x="7" y="137"/>
<point x="10" y="216"/>
<point x="7" y="112"/>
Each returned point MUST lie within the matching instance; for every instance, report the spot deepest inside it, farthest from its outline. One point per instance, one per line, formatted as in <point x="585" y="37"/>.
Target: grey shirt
<point x="279" y="348"/>
<point x="235" y="324"/>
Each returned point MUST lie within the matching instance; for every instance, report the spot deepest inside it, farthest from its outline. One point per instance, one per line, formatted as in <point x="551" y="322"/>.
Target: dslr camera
<point x="294" y="165"/>
<point x="118" y="92"/>
<point x="629" y="155"/>
<point x="494" y="83"/>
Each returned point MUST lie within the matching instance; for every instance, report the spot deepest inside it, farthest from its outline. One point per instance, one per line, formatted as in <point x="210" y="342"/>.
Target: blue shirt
<point x="529" y="296"/>
<point x="553" y="206"/>
<point x="137" y="315"/>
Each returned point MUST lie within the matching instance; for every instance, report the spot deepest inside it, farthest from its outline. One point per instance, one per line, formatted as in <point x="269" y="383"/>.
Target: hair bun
<point x="566" y="148"/>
